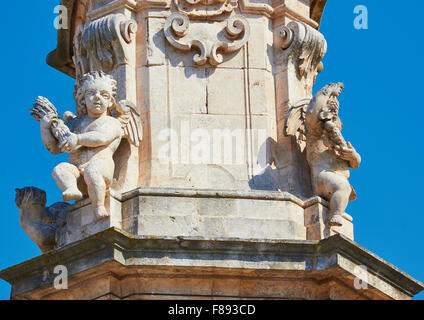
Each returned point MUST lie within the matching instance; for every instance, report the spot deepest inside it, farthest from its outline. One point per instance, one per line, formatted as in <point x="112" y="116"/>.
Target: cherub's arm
<point x="344" y="150"/>
<point x="48" y="139"/>
<point x="102" y="136"/>
<point x="350" y="155"/>
<point x="332" y="128"/>
<point x="53" y="130"/>
<point x="53" y="134"/>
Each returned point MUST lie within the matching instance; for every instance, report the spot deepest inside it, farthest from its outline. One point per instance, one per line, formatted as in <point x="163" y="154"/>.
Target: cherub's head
<point x="332" y="91"/>
<point x="95" y="94"/>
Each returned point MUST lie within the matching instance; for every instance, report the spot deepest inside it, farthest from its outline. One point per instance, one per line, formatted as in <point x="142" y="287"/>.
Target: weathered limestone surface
<point x="200" y="163"/>
<point x="210" y="214"/>
<point x="201" y="213"/>
<point x="317" y="127"/>
<point x="117" y="265"/>
<point x="229" y="56"/>
<point x="215" y="86"/>
<point x="93" y="138"/>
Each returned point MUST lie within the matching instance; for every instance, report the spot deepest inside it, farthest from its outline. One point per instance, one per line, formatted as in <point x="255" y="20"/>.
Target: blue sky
<point x="381" y="109"/>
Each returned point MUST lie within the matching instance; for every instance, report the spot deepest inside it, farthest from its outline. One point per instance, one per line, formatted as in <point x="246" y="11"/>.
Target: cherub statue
<point x="316" y="125"/>
<point x="91" y="138"/>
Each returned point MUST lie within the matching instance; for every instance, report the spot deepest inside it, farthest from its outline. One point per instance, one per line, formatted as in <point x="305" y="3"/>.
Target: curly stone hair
<point x="80" y="89"/>
<point x="332" y="88"/>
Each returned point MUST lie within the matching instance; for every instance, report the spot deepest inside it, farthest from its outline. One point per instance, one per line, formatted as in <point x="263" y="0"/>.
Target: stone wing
<point x="295" y="122"/>
<point x="126" y="113"/>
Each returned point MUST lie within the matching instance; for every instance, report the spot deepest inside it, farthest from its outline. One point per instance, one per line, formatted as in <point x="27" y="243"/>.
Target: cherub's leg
<point x="97" y="177"/>
<point x="337" y="189"/>
<point x="338" y="205"/>
<point x="66" y="175"/>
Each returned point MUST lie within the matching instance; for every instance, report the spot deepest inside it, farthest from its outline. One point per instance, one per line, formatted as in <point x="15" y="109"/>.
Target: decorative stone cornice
<point x="284" y="10"/>
<point x="257" y="8"/>
<point x="115" y="249"/>
<point x="205" y="8"/>
<point x="61" y="58"/>
<point x="221" y="194"/>
<point x="112" y="7"/>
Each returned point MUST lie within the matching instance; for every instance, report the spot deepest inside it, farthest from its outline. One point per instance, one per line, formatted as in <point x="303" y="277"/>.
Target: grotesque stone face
<point x="98" y="96"/>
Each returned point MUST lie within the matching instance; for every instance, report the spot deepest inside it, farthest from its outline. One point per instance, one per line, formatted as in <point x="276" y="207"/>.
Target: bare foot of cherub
<point x="101" y="212"/>
<point x="336" y="221"/>
<point x="71" y="195"/>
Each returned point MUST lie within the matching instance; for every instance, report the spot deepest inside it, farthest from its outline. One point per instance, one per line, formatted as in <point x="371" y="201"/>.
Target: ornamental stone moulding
<point x="206" y="38"/>
<point x="139" y="164"/>
<point x="205" y="8"/>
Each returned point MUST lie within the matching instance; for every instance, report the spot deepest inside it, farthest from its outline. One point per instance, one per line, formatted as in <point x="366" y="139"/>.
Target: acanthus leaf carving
<point x="237" y="32"/>
<point x="305" y="47"/>
<point x="104" y="42"/>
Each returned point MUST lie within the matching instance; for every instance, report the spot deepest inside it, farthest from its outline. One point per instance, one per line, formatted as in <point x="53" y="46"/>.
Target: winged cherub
<point x="91" y="138"/>
<point x="316" y="125"/>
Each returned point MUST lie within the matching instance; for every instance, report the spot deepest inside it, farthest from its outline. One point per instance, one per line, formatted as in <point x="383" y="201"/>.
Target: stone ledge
<point x="116" y="252"/>
<point x="223" y="194"/>
<point x="205" y="213"/>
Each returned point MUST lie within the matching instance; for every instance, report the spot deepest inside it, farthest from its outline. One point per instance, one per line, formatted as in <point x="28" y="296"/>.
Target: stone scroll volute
<point x="203" y="39"/>
<point x="209" y="28"/>
<point x="302" y="48"/>
<point x="105" y="42"/>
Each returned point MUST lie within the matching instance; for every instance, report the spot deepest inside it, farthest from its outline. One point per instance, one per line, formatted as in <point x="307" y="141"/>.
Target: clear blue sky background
<point x="381" y="108"/>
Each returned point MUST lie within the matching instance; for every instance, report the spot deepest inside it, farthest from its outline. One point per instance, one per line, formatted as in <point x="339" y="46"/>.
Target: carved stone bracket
<point x="211" y="49"/>
<point x="104" y="42"/>
<point x="304" y="46"/>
